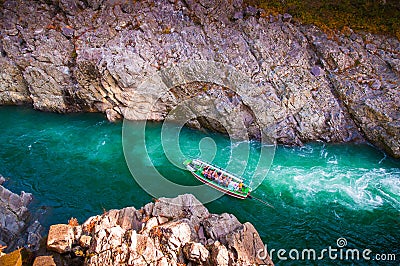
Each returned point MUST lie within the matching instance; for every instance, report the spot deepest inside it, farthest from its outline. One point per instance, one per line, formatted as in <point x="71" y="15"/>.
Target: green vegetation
<point x="375" y="16"/>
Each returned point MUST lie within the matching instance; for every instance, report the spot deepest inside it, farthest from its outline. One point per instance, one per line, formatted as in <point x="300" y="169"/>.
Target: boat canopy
<point x="202" y="163"/>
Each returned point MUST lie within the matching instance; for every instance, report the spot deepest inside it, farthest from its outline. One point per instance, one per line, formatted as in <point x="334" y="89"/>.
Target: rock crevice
<point x="168" y="232"/>
<point x="305" y="85"/>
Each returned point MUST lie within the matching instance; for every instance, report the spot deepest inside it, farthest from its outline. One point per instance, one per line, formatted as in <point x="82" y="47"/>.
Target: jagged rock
<point x="163" y="240"/>
<point x="60" y="238"/>
<point x="84" y="241"/>
<point x="162" y="219"/>
<point x="175" y="234"/>
<point x="376" y="85"/>
<point x="238" y="15"/>
<point x="219" y="254"/>
<point x="143" y="249"/>
<point x="89" y="224"/>
<point x="13" y="87"/>
<point x="150" y="224"/>
<point x="218" y="226"/>
<point x="113" y="115"/>
<point x="183" y="206"/>
<point x="44" y="261"/>
<point x="196" y="252"/>
<point x="108" y="238"/>
<point x="246" y="242"/>
<point x="17" y="226"/>
<point x="148" y="208"/>
<point x="129" y="218"/>
<point x="34" y="232"/>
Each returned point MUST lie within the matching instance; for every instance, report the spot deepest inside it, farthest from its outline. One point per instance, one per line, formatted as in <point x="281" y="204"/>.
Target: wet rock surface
<point x="167" y="235"/>
<point x="18" y="228"/>
<point x="304" y="84"/>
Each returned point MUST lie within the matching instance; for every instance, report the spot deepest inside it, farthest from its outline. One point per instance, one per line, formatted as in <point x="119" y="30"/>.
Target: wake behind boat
<point x="218" y="178"/>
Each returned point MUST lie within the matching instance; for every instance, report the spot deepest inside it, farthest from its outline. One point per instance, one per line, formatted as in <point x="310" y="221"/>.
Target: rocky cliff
<point x="177" y="231"/>
<point x="18" y="228"/>
<point x="305" y="85"/>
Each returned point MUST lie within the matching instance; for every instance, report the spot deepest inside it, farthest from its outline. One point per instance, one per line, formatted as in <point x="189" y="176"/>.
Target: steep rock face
<point x="169" y="233"/>
<point x="17" y="228"/>
<point x="302" y="84"/>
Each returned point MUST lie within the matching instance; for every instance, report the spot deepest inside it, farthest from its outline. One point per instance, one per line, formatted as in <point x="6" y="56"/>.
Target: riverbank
<point x="303" y="84"/>
<point x="74" y="167"/>
<point x="168" y="232"/>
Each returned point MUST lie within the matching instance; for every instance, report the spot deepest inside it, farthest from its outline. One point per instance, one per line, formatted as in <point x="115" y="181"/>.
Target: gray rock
<point x="148" y="208"/>
<point x="101" y="69"/>
<point x="316" y="71"/>
<point x="68" y="32"/>
<point x="183" y="206"/>
<point x="17" y="226"/>
<point x="34" y="235"/>
<point x="250" y="11"/>
<point x="247" y="243"/>
<point x="287" y="17"/>
<point x="370" y="47"/>
<point x="128" y="218"/>
<point x="238" y="15"/>
<point x="218" y="226"/>
<point x="376" y="85"/>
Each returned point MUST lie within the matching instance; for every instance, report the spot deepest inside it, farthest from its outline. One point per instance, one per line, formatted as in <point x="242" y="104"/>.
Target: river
<point x="74" y="165"/>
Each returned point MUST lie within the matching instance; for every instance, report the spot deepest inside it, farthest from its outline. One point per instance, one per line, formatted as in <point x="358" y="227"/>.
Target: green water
<point x="74" y="165"/>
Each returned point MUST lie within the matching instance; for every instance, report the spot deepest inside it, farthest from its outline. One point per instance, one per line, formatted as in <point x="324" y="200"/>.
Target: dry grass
<point x="73" y="222"/>
<point x="375" y="16"/>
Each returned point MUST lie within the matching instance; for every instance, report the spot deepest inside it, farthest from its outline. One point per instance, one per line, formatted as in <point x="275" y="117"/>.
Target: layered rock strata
<point x="301" y="83"/>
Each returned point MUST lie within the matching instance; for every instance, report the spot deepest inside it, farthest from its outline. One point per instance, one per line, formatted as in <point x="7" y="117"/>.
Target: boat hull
<point x="226" y="191"/>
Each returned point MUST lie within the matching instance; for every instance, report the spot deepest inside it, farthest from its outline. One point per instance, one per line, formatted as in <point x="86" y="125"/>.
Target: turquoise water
<point x="74" y="165"/>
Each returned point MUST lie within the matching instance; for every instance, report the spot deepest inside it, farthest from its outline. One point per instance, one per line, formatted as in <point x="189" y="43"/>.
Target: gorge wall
<point x="305" y="85"/>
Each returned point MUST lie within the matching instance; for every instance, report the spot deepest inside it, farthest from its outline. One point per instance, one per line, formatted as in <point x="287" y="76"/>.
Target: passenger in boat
<point x="241" y="186"/>
<point x="206" y="173"/>
<point x="235" y="185"/>
<point x="210" y="174"/>
<point x="228" y="181"/>
<point x="215" y="175"/>
<point x="222" y="180"/>
<point x="231" y="186"/>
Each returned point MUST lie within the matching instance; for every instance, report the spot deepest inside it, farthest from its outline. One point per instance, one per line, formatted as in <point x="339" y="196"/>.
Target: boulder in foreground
<point x="169" y="232"/>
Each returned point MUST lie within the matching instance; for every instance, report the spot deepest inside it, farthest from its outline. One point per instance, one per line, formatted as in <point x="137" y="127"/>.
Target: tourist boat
<point x="232" y="185"/>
